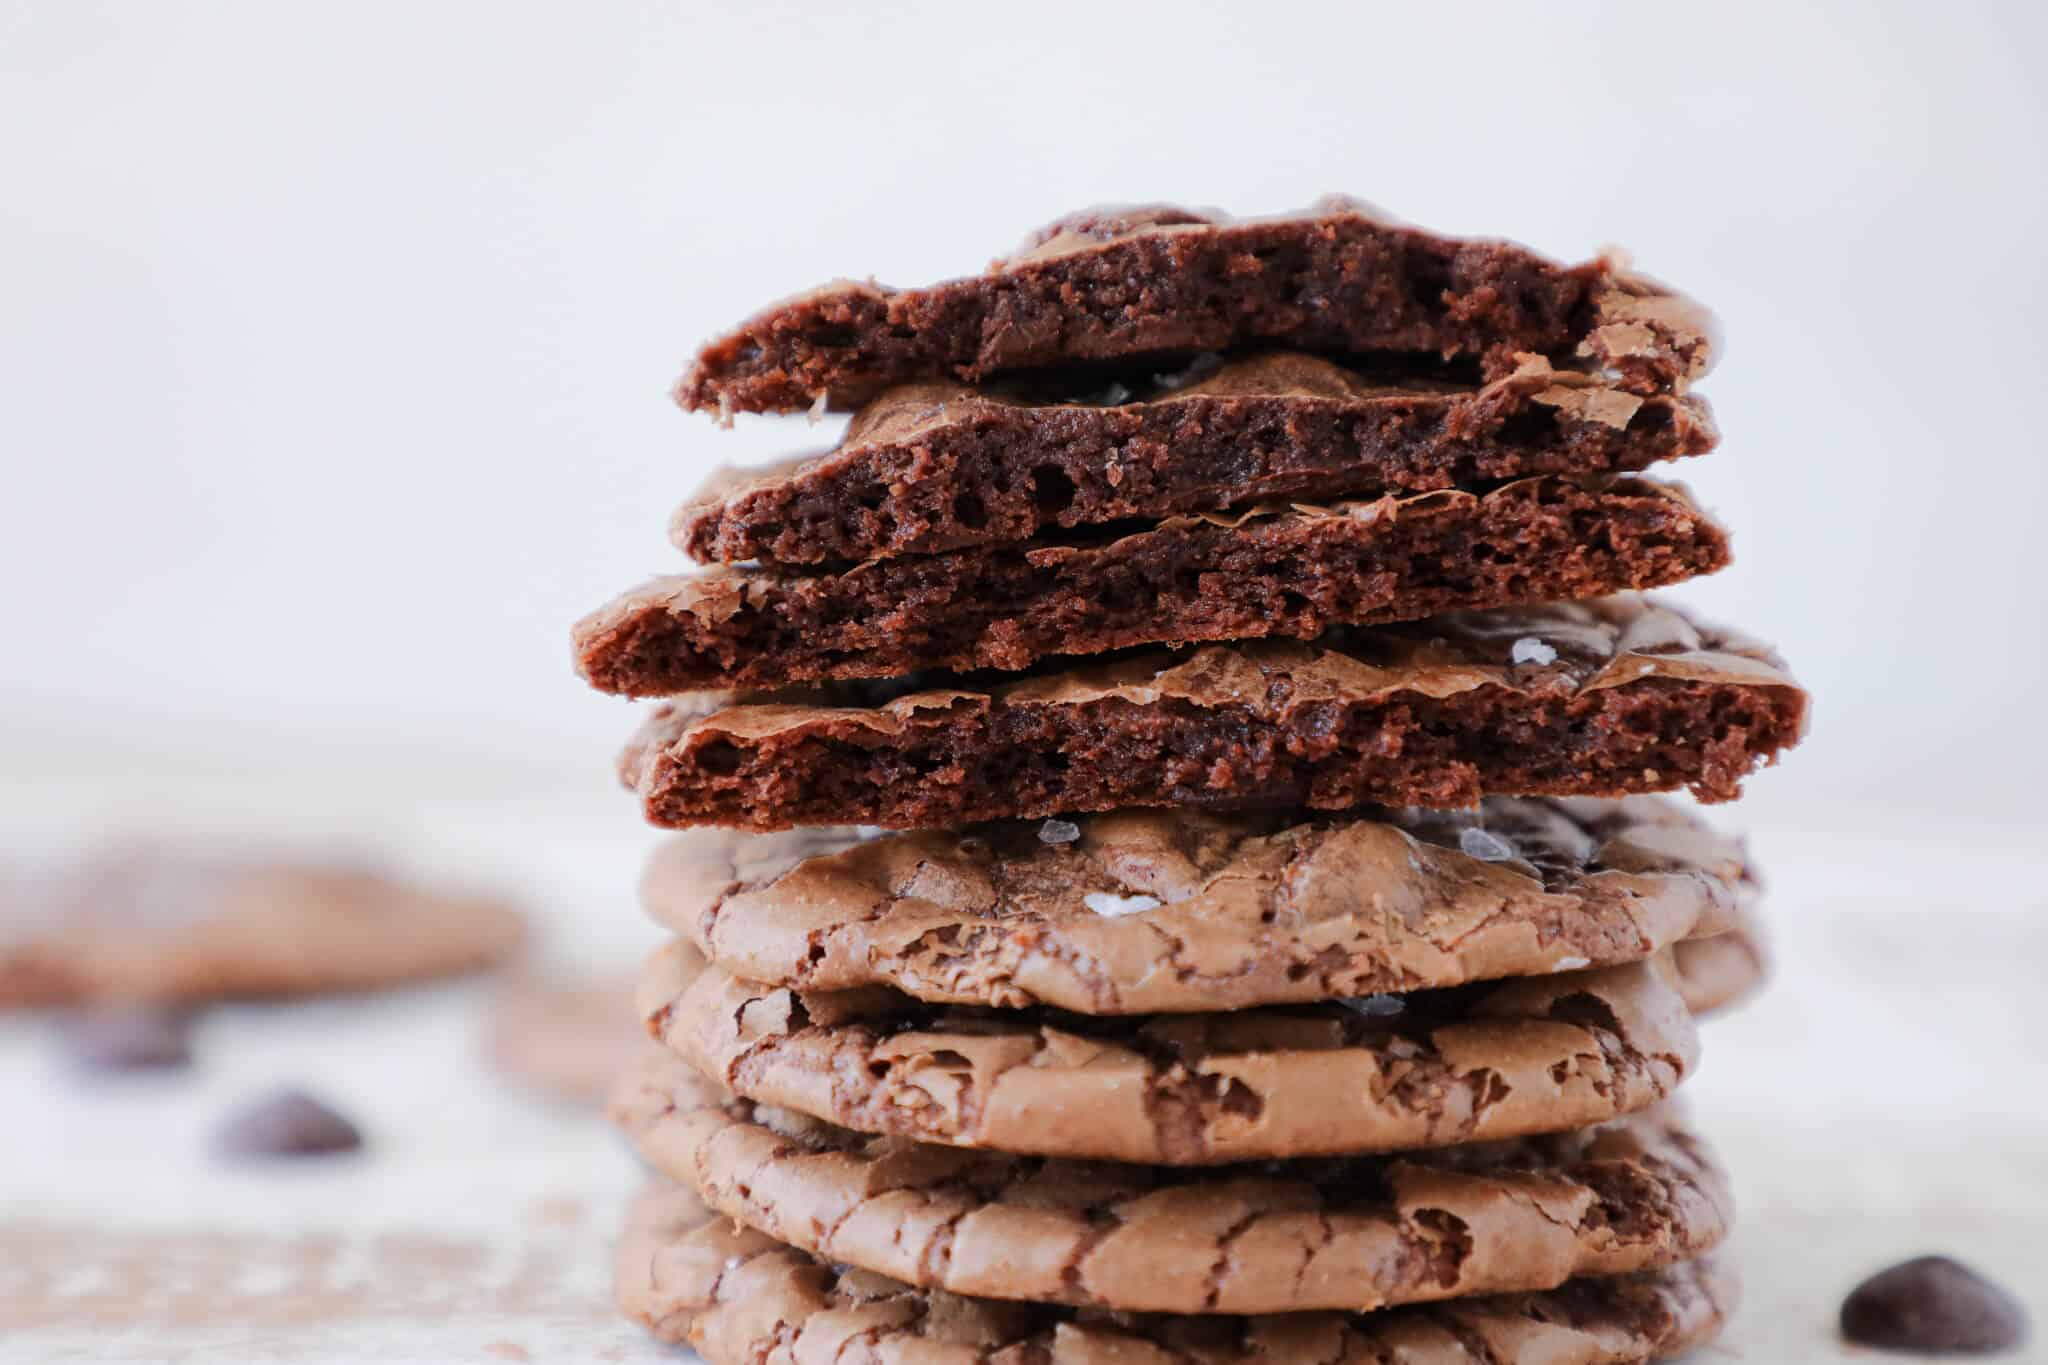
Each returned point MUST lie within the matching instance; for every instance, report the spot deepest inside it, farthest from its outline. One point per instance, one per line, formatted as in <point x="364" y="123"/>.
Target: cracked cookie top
<point x="1374" y="1074"/>
<point x="740" y="1298"/>
<point x="1154" y="911"/>
<point x="1354" y="1233"/>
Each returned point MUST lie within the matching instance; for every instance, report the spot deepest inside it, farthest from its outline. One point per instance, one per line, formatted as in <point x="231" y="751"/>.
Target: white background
<point x="334" y="338"/>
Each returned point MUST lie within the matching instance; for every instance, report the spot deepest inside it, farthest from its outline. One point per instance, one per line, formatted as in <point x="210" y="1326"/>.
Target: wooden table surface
<point x="1888" y="1097"/>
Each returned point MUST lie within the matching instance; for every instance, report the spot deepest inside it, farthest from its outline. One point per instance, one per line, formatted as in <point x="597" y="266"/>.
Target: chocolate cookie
<point x="1604" y="698"/>
<point x="572" y="1038"/>
<point x="741" y="1298"/>
<point x="1384" y="1073"/>
<point x="1129" y="285"/>
<point x="1288" y="571"/>
<point x="1352" y="1234"/>
<point x="1150" y="912"/>
<point x="932" y="467"/>
<point x="162" y="924"/>
<point x="1721" y="972"/>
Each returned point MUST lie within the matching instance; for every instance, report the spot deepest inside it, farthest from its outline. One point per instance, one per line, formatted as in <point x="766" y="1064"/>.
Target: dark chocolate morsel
<point x="128" y="1037"/>
<point x="1932" y="1303"/>
<point x="288" y="1123"/>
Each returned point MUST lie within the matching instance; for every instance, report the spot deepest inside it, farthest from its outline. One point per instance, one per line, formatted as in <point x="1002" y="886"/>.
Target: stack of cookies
<point x="1174" y="872"/>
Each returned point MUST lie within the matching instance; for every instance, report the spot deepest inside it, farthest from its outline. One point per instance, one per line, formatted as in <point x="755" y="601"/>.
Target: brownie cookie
<point x="1352" y="1234"/>
<point x="931" y="467"/>
<point x="1383" y="1073"/>
<point x="1723" y="971"/>
<point x="1150" y="912"/>
<point x="162" y="924"/>
<point x="1289" y="571"/>
<point x="741" y="1298"/>
<point x="1135" y="284"/>
<point x="1604" y="698"/>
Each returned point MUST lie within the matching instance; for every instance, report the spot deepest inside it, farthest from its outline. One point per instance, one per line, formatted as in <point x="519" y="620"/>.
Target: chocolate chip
<point x="128" y="1037"/>
<point x="288" y="1123"/>
<point x="1932" y="1303"/>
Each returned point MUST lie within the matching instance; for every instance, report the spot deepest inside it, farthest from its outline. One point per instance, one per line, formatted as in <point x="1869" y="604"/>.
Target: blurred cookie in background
<point x="164" y="924"/>
<point x="571" y="1035"/>
<point x="567" y="1038"/>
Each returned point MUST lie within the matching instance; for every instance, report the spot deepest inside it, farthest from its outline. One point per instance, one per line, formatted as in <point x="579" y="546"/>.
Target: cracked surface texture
<point x="1352" y="1234"/>
<point x="166" y="923"/>
<point x="1605" y="698"/>
<point x="1430" y="1069"/>
<point x="1250" y="908"/>
<point x="1275" y="571"/>
<point x="939" y="466"/>
<point x="742" y="1298"/>
<point x="1122" y="284"/>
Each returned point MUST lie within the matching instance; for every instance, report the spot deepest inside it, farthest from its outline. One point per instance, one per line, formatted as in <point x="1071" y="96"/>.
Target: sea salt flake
<point x="1107" y="903"/>
<point x="1530" y="650"/>
<point x="1201" y="367"/>
<point x="1058" y="832"/>
<point x="1572" y="964"/>
<point x="817" y="412"/>
<point x="1484" y="845"/>
<point x="1377" y="1006"/>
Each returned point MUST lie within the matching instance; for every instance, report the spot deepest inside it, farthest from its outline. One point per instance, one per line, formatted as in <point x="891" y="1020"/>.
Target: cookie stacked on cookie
<point x="1269" y="947"/>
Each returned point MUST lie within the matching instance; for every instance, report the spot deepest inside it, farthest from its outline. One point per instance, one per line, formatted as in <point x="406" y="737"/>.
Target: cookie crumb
<point x="1106" y="903"/>
<point x="1530" y="650"/>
